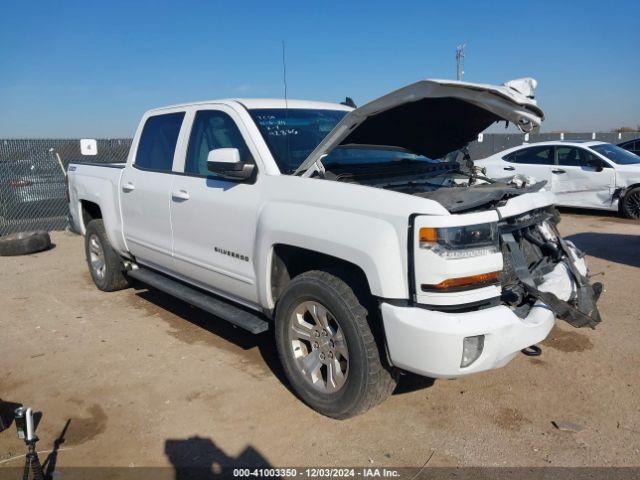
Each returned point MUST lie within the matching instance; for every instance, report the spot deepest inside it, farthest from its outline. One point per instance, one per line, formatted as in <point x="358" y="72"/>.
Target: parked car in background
<point x="32" y="188"/>
<point x="581" y="174"/>
<point x="632" y="145"/>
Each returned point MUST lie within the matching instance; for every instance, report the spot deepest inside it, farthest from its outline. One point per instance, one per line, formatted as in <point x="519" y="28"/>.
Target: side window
<point x="574" y="157"/>
<point x="586" y="156"/>
<point x="633" y="147"/>
<point x="569" y="157"/>
<point x="535" y="156"/>
<point x="213" y="129"/>
<point x="510" y="158"/>
<point x="158" y="142"/>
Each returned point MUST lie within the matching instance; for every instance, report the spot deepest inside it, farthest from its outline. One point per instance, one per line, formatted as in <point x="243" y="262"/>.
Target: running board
<point x="220" y="308"/>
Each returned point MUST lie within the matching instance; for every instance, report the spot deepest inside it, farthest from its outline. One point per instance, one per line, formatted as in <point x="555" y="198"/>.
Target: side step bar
<point x="220" y="308"/>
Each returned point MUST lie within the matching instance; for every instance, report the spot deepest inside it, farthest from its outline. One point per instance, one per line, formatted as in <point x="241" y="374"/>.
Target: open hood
<point x="433" y="117"/>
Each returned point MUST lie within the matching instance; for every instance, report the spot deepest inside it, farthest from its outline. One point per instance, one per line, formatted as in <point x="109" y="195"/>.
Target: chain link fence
<point x="32" y="172"/>
<point x="33" y="192"/>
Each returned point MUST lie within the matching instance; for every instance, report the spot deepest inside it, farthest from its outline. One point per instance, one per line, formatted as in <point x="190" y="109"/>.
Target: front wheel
<point x="105" y="265"/>
<point x="631" y="203"/>
<point x="327" y="347"/>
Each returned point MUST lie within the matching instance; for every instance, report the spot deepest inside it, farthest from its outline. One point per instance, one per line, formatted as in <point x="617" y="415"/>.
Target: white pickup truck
<point x="343" y="230"/>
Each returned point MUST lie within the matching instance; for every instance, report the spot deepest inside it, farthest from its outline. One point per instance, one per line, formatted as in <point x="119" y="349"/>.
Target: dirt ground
<point x="147" y="380"/>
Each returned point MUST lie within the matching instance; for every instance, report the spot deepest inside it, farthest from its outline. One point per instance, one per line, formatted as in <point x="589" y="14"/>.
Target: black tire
<point x="369" y="380"/>
<point x="112" y="277"/>
<point x="630" y="206"/>
<point x="24" y="243"/>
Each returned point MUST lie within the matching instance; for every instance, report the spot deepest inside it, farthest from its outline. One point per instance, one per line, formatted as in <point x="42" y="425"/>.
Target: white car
<point x="335" y="228"/>
<point x="581" y="174"/>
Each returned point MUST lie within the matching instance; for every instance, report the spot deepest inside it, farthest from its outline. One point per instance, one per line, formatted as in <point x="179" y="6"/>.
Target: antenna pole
<point x="284" y="74"/>
<point x="459" y="58"/>
<point x="286" y="105"/>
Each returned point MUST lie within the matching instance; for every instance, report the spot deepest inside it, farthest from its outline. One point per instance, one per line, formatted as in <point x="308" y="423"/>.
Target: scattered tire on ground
<point x="24" y="243"/>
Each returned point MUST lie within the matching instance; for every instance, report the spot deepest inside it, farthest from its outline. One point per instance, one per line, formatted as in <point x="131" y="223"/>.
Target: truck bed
<point x="97" y="183"/>
<point x="98" y="164"/>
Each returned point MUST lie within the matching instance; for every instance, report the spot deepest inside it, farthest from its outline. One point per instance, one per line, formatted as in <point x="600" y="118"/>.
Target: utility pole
<point x="459" y="58"/>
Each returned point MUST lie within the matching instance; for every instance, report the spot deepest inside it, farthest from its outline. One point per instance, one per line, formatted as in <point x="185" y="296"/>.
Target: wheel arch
<point x="89" y="211"/>
<point x="376" y="246"/>
<point x="289" y="261"/>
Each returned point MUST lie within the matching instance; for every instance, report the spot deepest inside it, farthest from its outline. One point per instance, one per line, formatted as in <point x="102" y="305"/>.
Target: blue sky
<point x="89" y="69"/>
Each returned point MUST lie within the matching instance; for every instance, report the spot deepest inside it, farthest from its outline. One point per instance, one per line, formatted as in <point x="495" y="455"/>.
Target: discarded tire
<point x="24" y="243"/>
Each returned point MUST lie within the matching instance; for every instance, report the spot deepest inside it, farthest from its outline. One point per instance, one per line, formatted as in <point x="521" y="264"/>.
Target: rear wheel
<point x="105" y="265"/>
<point x="631" y="203"/>
<point x="327" y="347"/>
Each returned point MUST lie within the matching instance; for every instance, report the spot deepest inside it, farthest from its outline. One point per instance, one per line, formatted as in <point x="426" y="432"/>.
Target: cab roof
<point x="584" y="143"/>
<point x="258" y="103"/>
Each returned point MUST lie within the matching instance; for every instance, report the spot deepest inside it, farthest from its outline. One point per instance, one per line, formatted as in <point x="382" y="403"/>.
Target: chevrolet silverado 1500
<point x="345" y="231"/>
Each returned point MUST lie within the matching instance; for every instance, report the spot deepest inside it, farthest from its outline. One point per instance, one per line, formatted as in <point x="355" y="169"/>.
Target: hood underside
<point x="451" y="123"/>
<point x="432" y="117"/>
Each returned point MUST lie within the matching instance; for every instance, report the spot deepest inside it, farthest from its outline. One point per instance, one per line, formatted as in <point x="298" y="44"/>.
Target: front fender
<point x="376" y="245"/>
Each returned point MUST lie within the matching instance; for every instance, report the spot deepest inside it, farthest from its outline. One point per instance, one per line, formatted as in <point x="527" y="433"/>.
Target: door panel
<point x="145" y="191"/>
<point x="214" y="219"/>
<point x="145" y="212"/>
<point x="214" y="234"/>
<point x="536" y="162"/>
<point x="578" y="184"/>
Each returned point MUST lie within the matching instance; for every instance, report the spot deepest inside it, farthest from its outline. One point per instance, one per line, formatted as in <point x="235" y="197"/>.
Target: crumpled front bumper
<point x="580" y="309"/>
<point x="430" y="342"/>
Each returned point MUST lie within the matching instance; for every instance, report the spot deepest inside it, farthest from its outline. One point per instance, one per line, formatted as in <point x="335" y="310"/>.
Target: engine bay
<point x="456" y="188"/>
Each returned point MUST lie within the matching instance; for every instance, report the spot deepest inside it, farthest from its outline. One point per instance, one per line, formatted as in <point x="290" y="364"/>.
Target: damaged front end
<point x="533" y="252"/>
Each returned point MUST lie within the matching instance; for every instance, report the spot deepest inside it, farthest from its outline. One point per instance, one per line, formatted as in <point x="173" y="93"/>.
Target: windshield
<point x="616" y="154"/>
<point x="292" y="134"/>
<point x="353" y="155"/>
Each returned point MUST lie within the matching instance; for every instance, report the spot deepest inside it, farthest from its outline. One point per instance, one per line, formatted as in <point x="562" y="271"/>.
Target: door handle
<point x="128" y="187"/>
<point x="558" y="170"/>
<point x="180" y="195"/>
<point x="509" y="168"/>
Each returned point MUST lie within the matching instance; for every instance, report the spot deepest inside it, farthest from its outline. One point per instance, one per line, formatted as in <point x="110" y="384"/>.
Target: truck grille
<point x="539" y="257"/>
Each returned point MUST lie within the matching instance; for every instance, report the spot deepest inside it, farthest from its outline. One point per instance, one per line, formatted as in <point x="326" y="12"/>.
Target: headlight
<point x="461" y="242"/>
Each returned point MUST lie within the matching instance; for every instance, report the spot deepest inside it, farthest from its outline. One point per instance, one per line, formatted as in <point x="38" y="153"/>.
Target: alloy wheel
<point x="633" y="205"/>
<point x="319" y="346"/>
<point x="96" y="256"/>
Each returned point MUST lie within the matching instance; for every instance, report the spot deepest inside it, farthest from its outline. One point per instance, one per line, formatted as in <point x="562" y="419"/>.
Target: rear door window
<point x="569" y="157"/>
<point x="510" y="157"/>
<point x="158" y="141"/>
<point x="535" y="156"/>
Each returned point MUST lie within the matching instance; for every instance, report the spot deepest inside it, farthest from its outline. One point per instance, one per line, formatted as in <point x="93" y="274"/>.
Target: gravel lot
<point x="148" y="380"/>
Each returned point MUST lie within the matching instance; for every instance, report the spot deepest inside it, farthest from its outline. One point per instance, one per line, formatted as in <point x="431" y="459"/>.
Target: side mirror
<point x="226" y="163"/>
<point x="596" y="164"/>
